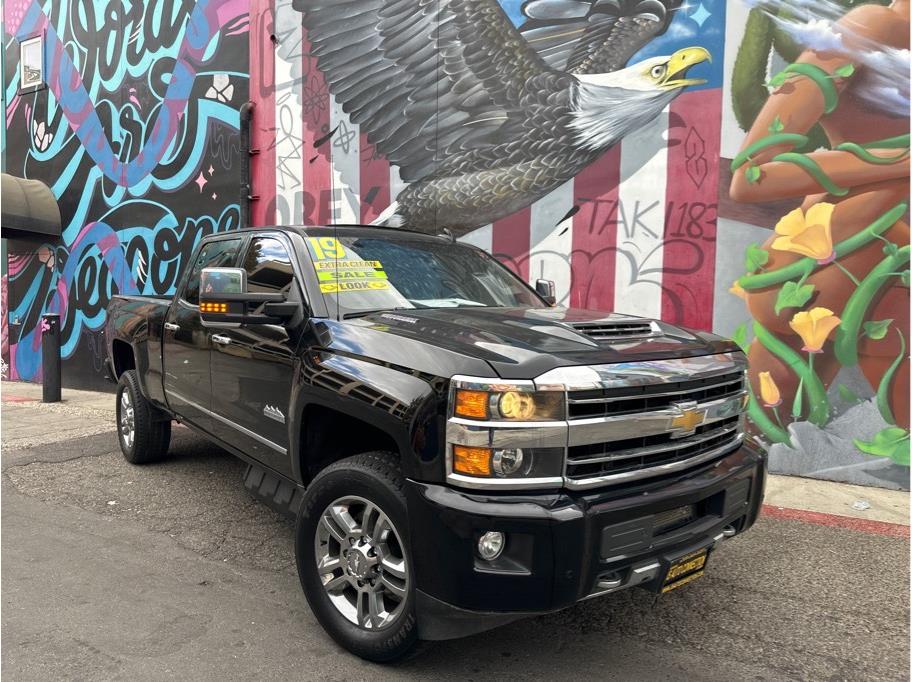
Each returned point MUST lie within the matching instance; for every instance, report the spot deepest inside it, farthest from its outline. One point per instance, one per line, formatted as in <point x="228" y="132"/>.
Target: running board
<point x="276" y="492"/>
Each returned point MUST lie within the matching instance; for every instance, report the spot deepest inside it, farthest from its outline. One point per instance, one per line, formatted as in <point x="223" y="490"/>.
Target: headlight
<point x="505" y="434"/>
<point x="508" y="405"/>
<point x="508" y="463"/>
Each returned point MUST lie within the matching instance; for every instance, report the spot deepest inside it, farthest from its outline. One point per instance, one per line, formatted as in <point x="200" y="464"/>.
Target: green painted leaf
<point x="778" y="79"/>
<point x="877" y="329"/>
<point x="752" y="174"/>
<point x="844" y="71"/>
<point x="892" y="442"/>
<point x="793" y="295"/>
<point x="777" y="126"/>
<point x="740" y="336"/>
<point x="796" y="406"/>
<point x="848" y="395"/>
<point x="755" y="257"/>
<point x="890" y="249"/>
<point x="905" y="278"/>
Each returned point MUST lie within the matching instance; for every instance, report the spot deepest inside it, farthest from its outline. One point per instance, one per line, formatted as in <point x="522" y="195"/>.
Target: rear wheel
<point x="353" y="557"/>
<point x="144" y="433"/>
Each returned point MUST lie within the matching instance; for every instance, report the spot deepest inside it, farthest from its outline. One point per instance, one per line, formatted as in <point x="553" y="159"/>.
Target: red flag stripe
<point x="689" y="263"/>
<point x="511" y="240"/>
<point x="593" y="257"/>
<point x="262" y="127"/>
<point x="317" y="144"/>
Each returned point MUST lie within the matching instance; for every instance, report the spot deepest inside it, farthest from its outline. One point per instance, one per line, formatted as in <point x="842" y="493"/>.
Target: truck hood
<point x="522" y="343"/>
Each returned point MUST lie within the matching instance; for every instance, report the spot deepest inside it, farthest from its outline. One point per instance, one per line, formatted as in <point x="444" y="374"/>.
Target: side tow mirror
<point x="225" y="301"/>
<point x="545" y="289"/>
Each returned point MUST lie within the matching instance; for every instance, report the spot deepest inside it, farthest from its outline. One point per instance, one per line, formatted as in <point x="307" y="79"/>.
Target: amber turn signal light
<point x="471" y="404"/>
<point x="471" y="461"/>
<point x="206" y="307"/>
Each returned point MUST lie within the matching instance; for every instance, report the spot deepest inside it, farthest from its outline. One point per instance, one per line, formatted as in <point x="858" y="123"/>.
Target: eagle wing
<point x="594" y="36"/>
<point x="422" y="78"/>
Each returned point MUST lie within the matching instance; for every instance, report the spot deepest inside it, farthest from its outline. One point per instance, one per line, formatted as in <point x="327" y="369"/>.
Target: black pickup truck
<point x="458" y="451"/>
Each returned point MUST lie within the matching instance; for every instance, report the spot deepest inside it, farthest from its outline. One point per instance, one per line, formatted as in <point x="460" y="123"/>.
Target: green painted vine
<point x="793" y="293"/>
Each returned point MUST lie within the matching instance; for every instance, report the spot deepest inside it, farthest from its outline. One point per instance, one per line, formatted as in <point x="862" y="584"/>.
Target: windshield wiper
<point x="363" y="313"/>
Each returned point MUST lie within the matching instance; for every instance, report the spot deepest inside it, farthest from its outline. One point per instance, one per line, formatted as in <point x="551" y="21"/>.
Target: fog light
<point x="491" y="544"/>
<point x="507" y="462"/>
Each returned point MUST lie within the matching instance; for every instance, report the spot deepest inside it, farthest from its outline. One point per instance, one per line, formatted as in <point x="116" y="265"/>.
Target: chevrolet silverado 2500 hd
<point x="458" y="451"/>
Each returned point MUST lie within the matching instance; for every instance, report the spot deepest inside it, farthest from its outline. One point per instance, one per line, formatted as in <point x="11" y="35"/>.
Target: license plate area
<point x="685" y="570"/>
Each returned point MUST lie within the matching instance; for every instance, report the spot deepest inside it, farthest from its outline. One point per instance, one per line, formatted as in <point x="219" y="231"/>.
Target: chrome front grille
<point x="659" y="450"/>
<point x="644" y="398"/>
<point x="632" y="421"/>
<point x="620" y="330"/>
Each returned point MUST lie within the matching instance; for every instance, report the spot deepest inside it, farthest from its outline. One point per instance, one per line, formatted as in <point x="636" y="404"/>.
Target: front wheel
<point x="353" y="556"/>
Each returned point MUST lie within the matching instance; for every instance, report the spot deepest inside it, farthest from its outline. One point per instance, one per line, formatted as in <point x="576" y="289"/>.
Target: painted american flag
<point x="635" y="232"/>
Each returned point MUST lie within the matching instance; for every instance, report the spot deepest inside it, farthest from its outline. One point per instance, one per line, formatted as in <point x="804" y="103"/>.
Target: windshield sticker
<point x="338" y="275"/>
<point x="346" y="264"/>
<point x="342" y="287"/>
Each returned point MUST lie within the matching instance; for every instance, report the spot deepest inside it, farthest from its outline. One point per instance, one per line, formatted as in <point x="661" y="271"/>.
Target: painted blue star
<point x="700" y="15"/>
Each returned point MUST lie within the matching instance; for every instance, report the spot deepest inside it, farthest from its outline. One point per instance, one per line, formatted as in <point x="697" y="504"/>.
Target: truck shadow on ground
<point x="782" y="587"/>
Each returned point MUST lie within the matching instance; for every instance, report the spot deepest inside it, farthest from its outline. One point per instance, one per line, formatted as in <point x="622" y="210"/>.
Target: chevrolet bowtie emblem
<point x="689" y="417"/>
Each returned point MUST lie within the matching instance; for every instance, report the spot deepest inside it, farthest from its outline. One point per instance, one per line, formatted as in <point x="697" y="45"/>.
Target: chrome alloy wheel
<point x="361" y="562"/>
<point x="127" y="430"/>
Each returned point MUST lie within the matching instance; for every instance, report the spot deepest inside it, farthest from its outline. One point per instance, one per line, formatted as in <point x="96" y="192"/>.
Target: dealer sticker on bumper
<point x="685" y="570"/>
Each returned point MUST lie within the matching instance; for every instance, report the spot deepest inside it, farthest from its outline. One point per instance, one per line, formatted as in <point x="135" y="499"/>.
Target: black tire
<point x="151" y="427"/>
<point x="375" y="477"/>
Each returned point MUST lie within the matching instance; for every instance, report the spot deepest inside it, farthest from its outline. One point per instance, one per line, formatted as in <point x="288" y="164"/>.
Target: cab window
<point x="268" y="266"/>
<point x="218" y="254"/>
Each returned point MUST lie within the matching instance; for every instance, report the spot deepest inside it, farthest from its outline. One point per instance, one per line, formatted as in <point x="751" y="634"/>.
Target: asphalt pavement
<point x="111" y="571"/>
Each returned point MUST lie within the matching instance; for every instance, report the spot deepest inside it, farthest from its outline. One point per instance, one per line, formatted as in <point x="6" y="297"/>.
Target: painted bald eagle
<point x="481" y="119"/>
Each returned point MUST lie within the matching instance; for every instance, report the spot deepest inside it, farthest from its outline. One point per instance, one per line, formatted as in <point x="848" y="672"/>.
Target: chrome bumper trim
<point x="622" y="427"/>
<point x="627" y="476"/>
<point x="506" y="434"/>
<point x="655" y="449"/>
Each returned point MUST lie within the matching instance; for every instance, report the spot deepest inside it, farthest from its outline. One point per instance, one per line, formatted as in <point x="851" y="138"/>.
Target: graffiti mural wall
<point x="740" y="167"/>
<point x="136" y="134"/>
<point x="816" y="199"/>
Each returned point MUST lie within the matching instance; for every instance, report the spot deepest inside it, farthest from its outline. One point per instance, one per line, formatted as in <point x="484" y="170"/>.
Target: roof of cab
<point x="352" y="231"/>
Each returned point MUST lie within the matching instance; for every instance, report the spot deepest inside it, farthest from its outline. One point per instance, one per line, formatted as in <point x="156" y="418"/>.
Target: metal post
<point x="50" y="358"/>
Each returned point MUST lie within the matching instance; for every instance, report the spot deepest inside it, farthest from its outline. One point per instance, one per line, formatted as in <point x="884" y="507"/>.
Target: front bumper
<point x="564" y="546"/>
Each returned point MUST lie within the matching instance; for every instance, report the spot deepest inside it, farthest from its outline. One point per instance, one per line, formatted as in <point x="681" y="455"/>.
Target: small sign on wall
<point x="31" y="64"/>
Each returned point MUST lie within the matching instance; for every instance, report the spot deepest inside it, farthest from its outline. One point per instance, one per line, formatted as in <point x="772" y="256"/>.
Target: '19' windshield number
<point x="326" y="248"/>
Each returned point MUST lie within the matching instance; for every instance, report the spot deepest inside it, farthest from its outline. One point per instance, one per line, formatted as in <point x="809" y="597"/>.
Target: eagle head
<point x="608" y="106"/>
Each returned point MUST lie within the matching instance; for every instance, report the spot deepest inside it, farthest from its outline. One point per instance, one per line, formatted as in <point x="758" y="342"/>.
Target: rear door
<point x="186" y="343"/>
<point x="253" y="365"/>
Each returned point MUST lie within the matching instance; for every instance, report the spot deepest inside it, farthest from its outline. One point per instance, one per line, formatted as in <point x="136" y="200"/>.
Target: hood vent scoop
<point x="620" y="330"/>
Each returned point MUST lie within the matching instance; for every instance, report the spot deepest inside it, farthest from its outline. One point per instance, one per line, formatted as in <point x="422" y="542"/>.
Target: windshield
<point x="368" y="274"/>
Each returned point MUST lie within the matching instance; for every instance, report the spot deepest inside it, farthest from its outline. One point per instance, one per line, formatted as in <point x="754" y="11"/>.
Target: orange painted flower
<point x="738" y="290"/>
<point x="769" y="391"/>
<point x="809" y="234"/>
<point x="814" y="326"/>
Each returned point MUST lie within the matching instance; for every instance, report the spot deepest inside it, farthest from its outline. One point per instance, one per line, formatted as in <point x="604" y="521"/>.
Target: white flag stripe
<point x="483" y="237"/>
<point x="346" y="166"/>
<point x="289" y="119"/>
<point x="641" y="220"/>
<point x="551" y="242"/>
<point x="396" y="183"/>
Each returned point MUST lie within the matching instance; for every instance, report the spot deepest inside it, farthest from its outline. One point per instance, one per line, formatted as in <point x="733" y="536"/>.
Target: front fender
<point x="406" y="407"/>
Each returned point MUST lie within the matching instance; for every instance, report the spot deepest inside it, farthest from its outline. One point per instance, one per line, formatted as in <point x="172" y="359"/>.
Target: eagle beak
<point x="680" y="62"/>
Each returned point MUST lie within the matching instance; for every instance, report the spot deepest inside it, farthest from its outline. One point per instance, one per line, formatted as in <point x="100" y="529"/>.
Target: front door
<point x="253" y="365"/>
<point x="185" y="342"/>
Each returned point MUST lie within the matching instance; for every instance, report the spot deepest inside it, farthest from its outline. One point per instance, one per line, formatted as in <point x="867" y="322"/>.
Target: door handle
<point x="171" y="327"/>
<point x="219" y="339"/>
